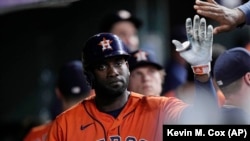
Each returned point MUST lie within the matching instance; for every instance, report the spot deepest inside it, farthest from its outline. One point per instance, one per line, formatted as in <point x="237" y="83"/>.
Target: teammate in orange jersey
<point x="71" y="88"/>
<point x="116" y="114"/>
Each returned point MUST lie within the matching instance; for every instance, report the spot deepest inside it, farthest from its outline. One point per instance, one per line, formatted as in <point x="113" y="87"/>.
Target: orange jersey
<point x="141" y="119"/>
<point x="38" y="133"/>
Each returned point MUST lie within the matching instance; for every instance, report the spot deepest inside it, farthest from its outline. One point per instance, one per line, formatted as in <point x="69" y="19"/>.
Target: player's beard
<point x="110" y="92"/>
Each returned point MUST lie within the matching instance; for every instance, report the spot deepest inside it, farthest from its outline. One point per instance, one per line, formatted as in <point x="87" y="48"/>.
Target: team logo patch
<point x="105" y="44"/>
<point x="141" y="56"/>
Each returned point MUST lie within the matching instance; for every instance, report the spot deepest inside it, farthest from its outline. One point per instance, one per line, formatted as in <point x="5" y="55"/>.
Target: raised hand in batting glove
<point x="197" y="51"/>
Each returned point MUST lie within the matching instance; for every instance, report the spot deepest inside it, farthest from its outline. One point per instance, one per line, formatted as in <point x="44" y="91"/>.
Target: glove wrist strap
<point x="201" y="69"/>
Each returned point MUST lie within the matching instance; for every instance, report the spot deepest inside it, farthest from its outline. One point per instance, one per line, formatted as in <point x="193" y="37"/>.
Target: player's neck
<point x="111" y="104"/>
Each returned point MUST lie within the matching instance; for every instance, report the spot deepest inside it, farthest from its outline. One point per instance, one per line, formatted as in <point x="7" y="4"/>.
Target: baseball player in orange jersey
<point x="71" y="88"/>
<point x="116" y="114"/>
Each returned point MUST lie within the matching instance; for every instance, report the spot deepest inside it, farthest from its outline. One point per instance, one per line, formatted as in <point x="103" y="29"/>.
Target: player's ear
<point x="247" y="78"/>
<point x="90" y="78"/>
<point x="127" y="64"/>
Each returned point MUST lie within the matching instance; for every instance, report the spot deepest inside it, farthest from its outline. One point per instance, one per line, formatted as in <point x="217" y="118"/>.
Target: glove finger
<point x="202" y="32"/>
<point x="210" y="33"/>
<point x="189" y="29"/>
<point x="196" y="23"/>
<point x="186" y="45"/>
<point x="178" y="45"/>
<point x="181" y="46"/>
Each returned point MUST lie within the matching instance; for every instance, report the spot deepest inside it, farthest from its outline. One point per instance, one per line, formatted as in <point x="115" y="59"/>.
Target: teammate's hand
<point x="227" y="18"/>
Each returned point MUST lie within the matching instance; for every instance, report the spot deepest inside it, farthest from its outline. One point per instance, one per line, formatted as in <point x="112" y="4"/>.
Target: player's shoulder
<point x="71" y="111"/>
<point x="77" y="109"/>
<point x="136" y="95"/>
<point x="153" y="102"/>
<point x="148" y="97"/>
<point x="41" y="127"/>
<point x="38" y="132"/>
<point x="157" y="100"/>
<point x="151" y="98"/>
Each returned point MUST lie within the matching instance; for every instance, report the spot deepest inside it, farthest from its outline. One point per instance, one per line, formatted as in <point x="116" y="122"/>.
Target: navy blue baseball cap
<point x="141" y="58"/>
<point x="71" y="80"/>
<point x="121" y="15"/>
<point x="231" y="65"/>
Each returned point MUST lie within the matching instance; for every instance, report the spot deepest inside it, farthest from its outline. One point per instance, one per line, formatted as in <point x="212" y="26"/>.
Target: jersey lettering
<point x="115" y="138"/>
<point x="118" y="138"/>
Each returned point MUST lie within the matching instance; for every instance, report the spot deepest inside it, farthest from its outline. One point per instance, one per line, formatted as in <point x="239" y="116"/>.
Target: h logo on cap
<point x="105" y="44"/>
<point x="141" y="56"/>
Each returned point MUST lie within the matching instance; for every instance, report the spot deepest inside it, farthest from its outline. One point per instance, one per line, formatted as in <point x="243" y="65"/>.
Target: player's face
<point x="111" y="76"/>
<point x="146" y="80"/>
<point x="128" y="34"/>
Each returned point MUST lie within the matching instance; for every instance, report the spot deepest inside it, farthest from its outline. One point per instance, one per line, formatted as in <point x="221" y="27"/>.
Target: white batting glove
<point x="197" y="51"/>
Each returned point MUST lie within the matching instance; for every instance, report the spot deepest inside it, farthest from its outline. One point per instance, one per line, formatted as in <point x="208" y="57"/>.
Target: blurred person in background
<point x="124" y="24"/>
<point x="71" y="88"/>
<point x="147" y="74"/>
